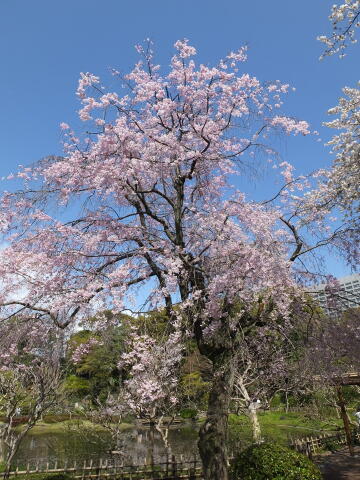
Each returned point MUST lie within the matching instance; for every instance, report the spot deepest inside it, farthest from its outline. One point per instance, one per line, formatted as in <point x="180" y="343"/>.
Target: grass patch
<point x="68" y="425"/>
<point x="281" y="427"/>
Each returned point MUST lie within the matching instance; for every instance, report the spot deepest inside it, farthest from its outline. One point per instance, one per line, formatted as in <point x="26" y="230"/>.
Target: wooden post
<point x="308" y="448"/>
<point x="122" y="468"/>
<point x="192" y="473"/>
<point x="174" y="474"/>
<point x="131" y="469"/>
<point x="84" y="469"/>
<point x="98" y="470"/>
<point x="167" y="465"/>
<point x="152" y="466"/>
<point x="345" y="419"/>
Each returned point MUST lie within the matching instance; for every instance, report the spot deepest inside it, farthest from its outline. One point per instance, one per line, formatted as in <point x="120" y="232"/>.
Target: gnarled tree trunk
<point x="213" y="434"/>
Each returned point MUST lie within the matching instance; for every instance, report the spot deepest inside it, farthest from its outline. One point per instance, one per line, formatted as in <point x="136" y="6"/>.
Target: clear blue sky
<point x="44" y="44"/>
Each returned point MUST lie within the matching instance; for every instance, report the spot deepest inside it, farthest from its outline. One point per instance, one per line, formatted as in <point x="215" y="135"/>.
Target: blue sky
<point x="44" y="44"/>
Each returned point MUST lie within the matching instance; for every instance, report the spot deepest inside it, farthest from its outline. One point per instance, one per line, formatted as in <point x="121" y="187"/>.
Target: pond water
<point x="137" y="444"/>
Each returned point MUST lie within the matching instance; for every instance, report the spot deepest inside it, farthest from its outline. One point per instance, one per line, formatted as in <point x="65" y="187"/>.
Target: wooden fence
<point x="313" y="445"/>
<point x="170" y="469"/>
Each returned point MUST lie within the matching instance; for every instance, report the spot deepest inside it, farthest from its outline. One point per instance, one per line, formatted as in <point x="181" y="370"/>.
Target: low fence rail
<point x="312" y="445"/>
<point x="170" y="469"/>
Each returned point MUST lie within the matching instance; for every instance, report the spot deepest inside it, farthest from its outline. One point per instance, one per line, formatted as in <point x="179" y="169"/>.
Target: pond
<point x="69" y="443"/>
<point x="137" y="445"/>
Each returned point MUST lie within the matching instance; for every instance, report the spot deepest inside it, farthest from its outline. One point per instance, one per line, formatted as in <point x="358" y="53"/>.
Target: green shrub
<point x="47" y="476"/>
<point x="332" y="445"/>
<point x="270" y="461"/>
<point x="50" y="476"/>
<point x="188" y="413"/>
<point x="56" y="418"/>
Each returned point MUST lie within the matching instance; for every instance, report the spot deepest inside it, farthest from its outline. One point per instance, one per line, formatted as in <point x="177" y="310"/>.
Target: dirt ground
<point x="340" y="466"/>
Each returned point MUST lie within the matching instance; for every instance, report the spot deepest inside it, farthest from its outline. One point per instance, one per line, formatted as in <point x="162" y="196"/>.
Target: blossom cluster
<point x="345" y="19"/>
<point x="152" y="388"/>
<point x="83" y="349"/>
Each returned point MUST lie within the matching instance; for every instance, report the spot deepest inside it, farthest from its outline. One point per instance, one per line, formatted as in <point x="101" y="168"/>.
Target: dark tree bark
<point x="213" y="434"/>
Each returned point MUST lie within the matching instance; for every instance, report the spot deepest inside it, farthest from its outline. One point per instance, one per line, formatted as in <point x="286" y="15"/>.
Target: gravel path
<point x="340" y="466"/>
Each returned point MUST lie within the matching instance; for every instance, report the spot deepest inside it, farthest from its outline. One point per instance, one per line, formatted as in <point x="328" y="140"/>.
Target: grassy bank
<point x="67" y="425"/>
<point x="281" y="426"/>
<point x="276" y="426"/>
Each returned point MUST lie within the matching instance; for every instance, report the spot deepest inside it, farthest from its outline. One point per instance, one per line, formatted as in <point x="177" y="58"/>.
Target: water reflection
<point x="137" y="445"/>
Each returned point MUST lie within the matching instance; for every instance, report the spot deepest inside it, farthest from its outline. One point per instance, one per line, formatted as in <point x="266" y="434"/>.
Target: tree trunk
<point x="151" y="445"/>
<point x="345" y="419"/>
<point x="213" y="433"/>
<point x="13" y="443"/>
<point x="9" y="459"/>
<point x="13" y="446"/>
<point x="287" y="401"/>
<point x="164" y="433"/>
<point x="256" y="429"/>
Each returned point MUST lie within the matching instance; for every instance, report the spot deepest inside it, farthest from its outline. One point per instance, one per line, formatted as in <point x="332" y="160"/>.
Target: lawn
<point x="281" y="427"/>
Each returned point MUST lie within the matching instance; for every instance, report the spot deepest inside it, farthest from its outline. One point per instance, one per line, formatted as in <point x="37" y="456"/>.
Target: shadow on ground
<point x="340" y="466"/>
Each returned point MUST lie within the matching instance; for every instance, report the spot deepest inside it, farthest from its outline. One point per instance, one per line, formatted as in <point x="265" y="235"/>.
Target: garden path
<point x="340" y="466"/>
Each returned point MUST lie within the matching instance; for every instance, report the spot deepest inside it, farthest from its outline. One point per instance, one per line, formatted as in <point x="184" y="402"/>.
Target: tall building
<point x="337" y="300"/>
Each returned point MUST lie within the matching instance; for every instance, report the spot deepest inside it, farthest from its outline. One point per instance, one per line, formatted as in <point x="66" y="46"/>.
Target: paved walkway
<point x="340" y="466"/>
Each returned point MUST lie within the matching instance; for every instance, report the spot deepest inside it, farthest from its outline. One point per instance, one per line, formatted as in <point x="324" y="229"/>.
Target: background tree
<point x="261" y="363"/>
<point x="331" y="355"/>
<point x="338" y="187"/>
<point x="268" y="362"/>
<point x="152" y="388"/>
<point x="30" y="379"/>
<point x="93" y="355"/>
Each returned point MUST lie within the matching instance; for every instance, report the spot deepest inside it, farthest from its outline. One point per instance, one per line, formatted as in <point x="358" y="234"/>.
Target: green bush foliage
<point x="270" y="461"/>
<point x="188" y="413"/>
<point x="42" y="476"/>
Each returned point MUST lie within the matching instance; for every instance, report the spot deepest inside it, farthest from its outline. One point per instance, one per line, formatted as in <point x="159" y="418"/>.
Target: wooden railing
<point x="312" y="445"/>
<point x="170" y="469"/>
